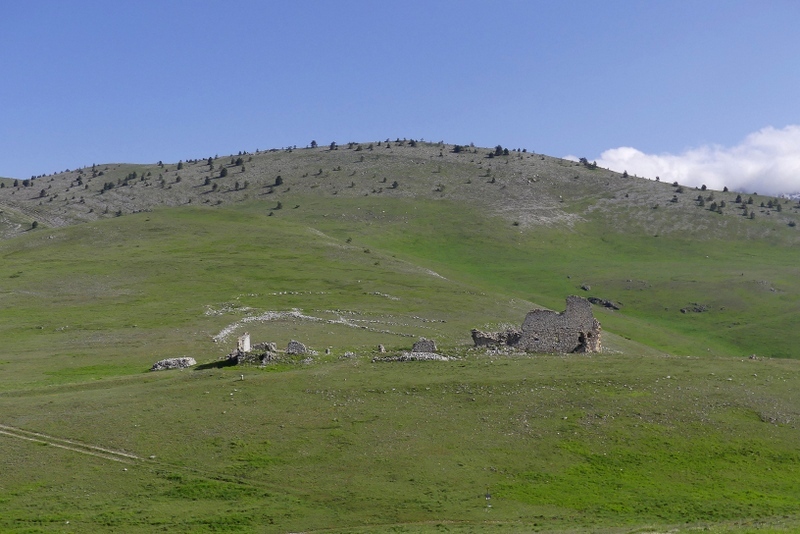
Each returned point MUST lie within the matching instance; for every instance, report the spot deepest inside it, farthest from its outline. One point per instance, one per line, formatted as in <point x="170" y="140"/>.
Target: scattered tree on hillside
<point x="34" y="225"/>
<point x="180" y="165"/>
<point x="279" y="180"/>
<point x="313" y="144"/>
<point x="207" y="181"/>
<point x="224" y="172"/>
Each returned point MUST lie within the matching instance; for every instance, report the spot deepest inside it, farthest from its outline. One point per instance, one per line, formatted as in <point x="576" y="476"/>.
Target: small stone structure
<point x="573" y="330"/>
<point x="484" y="339"/>
<point x="424" y="345"/>
<point x="243" y="343"/>
<point x="266" y="352"/>
<point x="173" y="363"/>
<point x="270" y="346"/>
<point x="295" y="347"/>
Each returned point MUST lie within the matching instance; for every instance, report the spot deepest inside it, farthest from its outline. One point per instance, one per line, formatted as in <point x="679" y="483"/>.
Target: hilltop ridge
<point x="525" y="188"/>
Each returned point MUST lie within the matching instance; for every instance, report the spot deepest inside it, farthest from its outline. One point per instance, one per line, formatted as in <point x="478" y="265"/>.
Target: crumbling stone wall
<point x="424" y="345"/>
<point x="483" y="339"/>
<point x="573" y="330"/>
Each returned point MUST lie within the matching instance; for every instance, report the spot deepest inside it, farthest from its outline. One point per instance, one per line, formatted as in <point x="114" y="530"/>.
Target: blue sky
<point x="696" y="91"/>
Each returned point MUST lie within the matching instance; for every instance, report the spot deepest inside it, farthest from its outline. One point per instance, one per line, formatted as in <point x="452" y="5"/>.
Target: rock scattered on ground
<point x="695" y="308"/>
<point x="487" y="339"/>
<point x="295" y="347"/>
<point x="173" y="363"/>
<point x="413" y="356"/>
<point x="603" y="302"/>
<point x="269" y="346"/>
<point x="424" y="345"/>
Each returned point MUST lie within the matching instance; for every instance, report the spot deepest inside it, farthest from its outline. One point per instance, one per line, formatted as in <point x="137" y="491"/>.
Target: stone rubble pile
<point x="173" y="363"/>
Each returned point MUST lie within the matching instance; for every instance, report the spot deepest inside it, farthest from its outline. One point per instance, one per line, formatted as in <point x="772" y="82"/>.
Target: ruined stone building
<point x="573" y="330"/>
<point x="243" y="343"/>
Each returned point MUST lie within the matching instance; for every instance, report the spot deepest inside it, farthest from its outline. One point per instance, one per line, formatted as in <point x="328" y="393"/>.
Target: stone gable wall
<point x="574" y="330"/>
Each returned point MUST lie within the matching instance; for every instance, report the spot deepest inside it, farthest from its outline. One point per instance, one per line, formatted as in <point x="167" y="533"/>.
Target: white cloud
<point x="767" y="161"/>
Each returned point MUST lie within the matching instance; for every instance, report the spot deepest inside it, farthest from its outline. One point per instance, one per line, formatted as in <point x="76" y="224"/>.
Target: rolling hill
<point x="686" y="420"/>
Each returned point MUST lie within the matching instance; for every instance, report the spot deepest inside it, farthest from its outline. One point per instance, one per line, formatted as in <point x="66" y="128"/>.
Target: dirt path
<point x="70" y="445"/>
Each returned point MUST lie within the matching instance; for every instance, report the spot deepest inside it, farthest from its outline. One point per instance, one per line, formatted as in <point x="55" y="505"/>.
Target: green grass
<point x="672" y="428"/>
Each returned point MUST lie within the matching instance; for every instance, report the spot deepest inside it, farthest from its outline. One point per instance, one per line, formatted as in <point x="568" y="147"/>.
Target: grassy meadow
<point x="673" y="428"/>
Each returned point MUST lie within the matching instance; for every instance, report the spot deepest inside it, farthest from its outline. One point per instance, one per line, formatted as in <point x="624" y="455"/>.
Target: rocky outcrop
<point x="173" y="363"/>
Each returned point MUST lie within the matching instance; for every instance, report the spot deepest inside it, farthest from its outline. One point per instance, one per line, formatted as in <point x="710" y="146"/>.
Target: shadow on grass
<point x="215" y="365"/>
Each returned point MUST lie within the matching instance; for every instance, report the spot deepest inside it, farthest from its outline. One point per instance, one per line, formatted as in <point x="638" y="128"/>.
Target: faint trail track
<point x="131" y="459"/>
<point x="71" y="445"/>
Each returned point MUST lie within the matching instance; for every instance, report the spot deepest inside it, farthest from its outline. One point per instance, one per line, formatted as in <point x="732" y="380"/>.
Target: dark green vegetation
<point x="674" y="427"/>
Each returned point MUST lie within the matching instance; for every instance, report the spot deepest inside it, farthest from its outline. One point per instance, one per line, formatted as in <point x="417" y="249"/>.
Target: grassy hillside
<point x="672" y="428"/>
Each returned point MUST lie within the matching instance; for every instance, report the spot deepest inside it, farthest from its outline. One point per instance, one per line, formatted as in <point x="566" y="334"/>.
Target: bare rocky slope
<point x="523" y="187"/>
